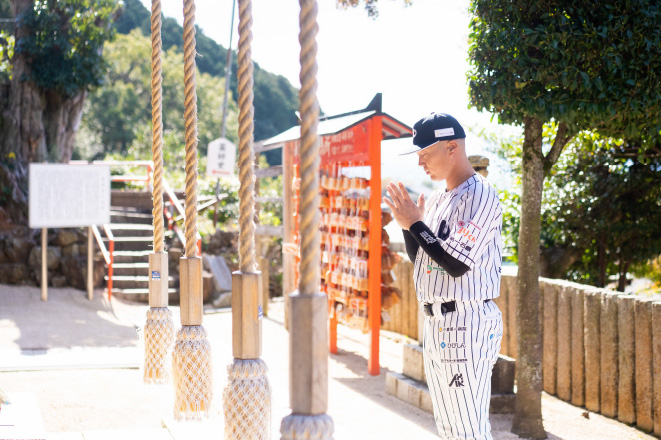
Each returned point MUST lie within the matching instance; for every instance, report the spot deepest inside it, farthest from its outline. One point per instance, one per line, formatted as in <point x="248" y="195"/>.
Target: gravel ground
<point x="90" y="400"/>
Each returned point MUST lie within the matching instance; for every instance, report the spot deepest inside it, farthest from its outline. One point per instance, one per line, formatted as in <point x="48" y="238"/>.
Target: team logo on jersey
<point x="438" y="269"/>
<point x="461" y="223"/>
<point x="457" y="381"/>
<point x="466" y="233"/>
<point x="427" y="237"/>
<point x="453" y="345"/>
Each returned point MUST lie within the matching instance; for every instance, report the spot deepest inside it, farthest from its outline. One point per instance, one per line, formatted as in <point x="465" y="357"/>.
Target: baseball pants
<point x="460" y="349"/>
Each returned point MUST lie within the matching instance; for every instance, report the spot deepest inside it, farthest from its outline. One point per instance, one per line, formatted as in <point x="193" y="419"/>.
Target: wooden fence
<point x="601" y="349"/>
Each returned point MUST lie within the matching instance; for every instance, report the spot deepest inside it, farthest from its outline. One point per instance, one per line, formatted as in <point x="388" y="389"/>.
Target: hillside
<point x="275" y="99"/>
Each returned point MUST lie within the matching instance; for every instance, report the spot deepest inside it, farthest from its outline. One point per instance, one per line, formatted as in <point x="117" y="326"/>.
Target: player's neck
<point x="459" y="176"/>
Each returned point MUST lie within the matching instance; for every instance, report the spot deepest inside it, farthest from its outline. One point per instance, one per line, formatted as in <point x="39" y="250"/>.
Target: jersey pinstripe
<point x="469" y="221"/>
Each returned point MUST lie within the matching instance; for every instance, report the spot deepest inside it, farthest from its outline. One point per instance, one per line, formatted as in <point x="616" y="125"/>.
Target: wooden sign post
<point x="65" y="196"/>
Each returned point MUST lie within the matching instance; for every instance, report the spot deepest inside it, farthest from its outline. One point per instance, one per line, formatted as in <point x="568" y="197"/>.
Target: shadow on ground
<point x="67" y="319"/>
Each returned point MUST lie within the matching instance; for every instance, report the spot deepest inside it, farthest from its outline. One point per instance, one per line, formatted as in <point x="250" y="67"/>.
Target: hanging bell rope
<point x="192" y="373"/>
<point x="247" y="397"/>
<point x="308" y="352"/>
<point x="159" y="327"/>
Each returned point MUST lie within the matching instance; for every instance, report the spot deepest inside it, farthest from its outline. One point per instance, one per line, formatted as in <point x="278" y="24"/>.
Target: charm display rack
<point x="355" y="261"/>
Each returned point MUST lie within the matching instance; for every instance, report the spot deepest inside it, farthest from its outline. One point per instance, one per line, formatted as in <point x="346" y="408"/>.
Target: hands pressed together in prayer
<point x="404" y="210"/>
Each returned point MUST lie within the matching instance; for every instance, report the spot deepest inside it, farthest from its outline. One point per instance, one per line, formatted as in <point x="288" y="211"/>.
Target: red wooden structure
<point x="351" y="244"/>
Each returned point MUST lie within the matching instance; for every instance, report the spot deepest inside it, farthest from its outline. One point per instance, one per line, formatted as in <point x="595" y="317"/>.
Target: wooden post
<point x="577" y="348"/>
<point x="190" y="273"/>
<point x="626" y="391"/>
<point x="550" y="336"/>
<point x="374" y="296"/>
<point x="563" y="375"/>
<point x="44" y="264"/>
<point x="288" y="260"/>
<point x="609" y="355"/>
<point x="158" y="279"/>
<point x="308" y="356"/>
<point x="501" y="302"/>
<point x="246" y="315"/>
<point x="90" y="264"/>
<point x="512" y="293"/>
<point x="591" y="319"/>
<point x="643" y="371"/>
<point x="656" y="362"/>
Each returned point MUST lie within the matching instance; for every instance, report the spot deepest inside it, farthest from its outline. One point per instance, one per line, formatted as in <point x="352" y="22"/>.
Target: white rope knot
<point x="192" y="374"/>
<point x="159" y="335"/>
<point x="300" y="426"/>
<point x="247" y="369"/>
<point x="247" y="401"/>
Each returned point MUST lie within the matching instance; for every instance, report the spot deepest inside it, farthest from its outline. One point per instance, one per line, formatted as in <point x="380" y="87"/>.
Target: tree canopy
<point x="588" y="64"/>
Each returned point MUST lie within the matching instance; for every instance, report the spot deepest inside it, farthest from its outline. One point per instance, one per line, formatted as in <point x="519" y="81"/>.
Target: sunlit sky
<point x="416" y="56"/>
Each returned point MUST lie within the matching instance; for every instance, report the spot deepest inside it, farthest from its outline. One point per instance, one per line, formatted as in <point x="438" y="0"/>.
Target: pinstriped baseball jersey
<point x="468" y="221"/>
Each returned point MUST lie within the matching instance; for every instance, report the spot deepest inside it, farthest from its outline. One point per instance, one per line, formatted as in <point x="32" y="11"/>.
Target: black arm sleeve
<point x="429" y="242"/>
<point x="411" y="245"/>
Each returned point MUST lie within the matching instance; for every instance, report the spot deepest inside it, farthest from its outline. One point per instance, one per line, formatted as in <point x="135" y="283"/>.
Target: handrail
<point x="172" y="221"/>
<point x="111" y="252"/>
<point x="102" y="246"/>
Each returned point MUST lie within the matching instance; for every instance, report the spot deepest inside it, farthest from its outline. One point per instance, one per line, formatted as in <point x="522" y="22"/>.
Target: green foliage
<point x="275" y="100"/>
<point x="118" y="115"/>
<point x="599" y="200"/>
<point x="6" y="54"/>
<point x="64" y="41"/>
<point x="589" y="64"/>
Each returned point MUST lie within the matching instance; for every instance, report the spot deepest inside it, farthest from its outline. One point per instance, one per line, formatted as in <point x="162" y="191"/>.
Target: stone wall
<point x="20" y="257"/>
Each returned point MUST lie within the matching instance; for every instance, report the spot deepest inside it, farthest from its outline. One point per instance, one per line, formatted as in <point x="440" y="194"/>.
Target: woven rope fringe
<point x="192" y="374"/>
<point x="247" y="401"/>
<point x="159" y="336"/>
<point x="301" y="426"/>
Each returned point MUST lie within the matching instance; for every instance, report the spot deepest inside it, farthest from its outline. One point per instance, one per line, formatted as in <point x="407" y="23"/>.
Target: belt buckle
<point x="427" y="309"/>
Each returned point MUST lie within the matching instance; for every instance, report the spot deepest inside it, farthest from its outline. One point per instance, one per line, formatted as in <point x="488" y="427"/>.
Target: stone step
<point x="417" y="394"/>
<point x="134" y="243"/>
<point x="123" y="256"/>
<point x="142" y="294"/>
<point x="411" y="386"/>
<point x="132" y="230"/>
<point x="130" y="269"/>
<point x="136" y="281"/>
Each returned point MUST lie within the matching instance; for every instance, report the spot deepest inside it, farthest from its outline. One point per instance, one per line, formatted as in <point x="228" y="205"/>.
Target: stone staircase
<point x="133" y="235"/>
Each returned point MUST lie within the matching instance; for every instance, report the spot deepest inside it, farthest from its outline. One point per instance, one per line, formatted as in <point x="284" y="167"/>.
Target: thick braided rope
<point x="247" y="400"/>
<point x="309" y="108"/>
<point x="246" y="156"/>
<point x="190" y="120"/>
<point x="159" y="336"/>
<point x="192" y="373"/>
<point x="300" y="427"/>
<point x="157" y="123"/>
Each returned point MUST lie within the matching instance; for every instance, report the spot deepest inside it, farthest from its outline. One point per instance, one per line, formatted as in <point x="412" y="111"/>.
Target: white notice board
<point x="64" y="196"/>
<point x="221" y="158"/>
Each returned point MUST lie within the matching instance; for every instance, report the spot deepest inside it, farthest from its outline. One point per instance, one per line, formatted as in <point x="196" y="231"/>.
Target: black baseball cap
<point x="434" y="128"/>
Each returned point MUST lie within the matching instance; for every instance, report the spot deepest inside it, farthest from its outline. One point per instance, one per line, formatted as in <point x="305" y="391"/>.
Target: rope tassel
<point x="159" y="336"/>
<point x="247" y="400"/>
<point x="192" y="374"/>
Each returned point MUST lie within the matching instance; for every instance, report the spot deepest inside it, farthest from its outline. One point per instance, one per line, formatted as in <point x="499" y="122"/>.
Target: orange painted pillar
<point x="332" y="322"/>
<point x="374" y="297"/>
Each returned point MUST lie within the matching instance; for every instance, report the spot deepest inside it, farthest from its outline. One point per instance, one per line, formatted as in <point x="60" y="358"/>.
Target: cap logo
<point x="414" y="132"/>
<point x="444" y="132"/>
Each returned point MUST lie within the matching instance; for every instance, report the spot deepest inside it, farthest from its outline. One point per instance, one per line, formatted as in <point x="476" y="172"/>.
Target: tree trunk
<point x="622" y="281"/>
<point x="601" y="256"/>
<point x="527" y="421"/>
<point x="37" y="126"/>
<point x="61" y="121"/>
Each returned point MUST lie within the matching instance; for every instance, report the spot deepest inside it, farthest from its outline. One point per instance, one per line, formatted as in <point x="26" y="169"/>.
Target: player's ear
<point x="451" y="147"/>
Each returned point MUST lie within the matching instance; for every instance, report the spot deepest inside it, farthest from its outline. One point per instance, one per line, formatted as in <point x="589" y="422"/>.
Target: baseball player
<point x="454" y="241"/>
